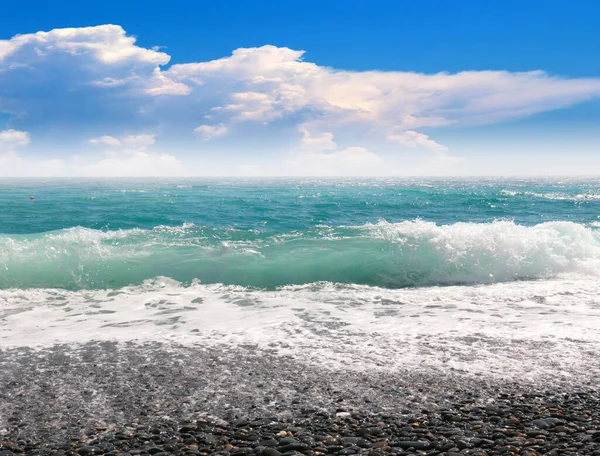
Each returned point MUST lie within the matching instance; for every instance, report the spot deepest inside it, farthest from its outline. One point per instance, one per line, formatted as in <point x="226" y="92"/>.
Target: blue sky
<point x="222" y="88"/>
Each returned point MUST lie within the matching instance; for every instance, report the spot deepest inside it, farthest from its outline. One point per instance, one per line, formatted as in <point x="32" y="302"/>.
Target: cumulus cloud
<point x="52" y="78"/>
<point x="278" y="82"/>
<point x="159" y="84"/>
<point x="108" y="44"/>
<point x="49" y="82"/>
<point x="252" y="106"/>
<point x="211" y="131"/>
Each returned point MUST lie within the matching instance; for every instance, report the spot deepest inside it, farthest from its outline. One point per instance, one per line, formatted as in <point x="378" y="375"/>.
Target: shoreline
<point x="83" y="395"/>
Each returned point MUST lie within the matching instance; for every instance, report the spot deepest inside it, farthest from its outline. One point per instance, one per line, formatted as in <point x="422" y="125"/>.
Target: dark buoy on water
<point x="31" y="197"/>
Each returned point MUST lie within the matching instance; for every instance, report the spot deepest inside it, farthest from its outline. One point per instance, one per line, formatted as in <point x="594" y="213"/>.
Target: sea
<point x="482" y="277"/>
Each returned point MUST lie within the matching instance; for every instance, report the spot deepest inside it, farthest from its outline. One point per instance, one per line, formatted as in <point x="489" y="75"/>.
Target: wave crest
<point x="394" y="255"/>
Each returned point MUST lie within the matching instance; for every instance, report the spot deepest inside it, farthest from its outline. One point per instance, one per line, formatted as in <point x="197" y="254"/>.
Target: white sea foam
<point x="502" y="250"/>
<point x="546" y="329"/>
<point x="555" y="196"/>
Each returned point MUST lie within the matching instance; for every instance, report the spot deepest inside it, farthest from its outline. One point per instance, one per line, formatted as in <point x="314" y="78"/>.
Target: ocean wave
<point x="391" y="255"/>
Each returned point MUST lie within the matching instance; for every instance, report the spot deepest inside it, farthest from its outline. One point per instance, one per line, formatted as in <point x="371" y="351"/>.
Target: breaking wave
<point x="391" y="255"/>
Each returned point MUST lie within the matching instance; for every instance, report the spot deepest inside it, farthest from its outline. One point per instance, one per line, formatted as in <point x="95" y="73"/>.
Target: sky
<point x="311" y="88"/>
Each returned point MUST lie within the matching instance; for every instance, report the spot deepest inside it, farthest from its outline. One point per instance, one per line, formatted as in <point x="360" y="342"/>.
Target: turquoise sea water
<point x="106" y="234"/>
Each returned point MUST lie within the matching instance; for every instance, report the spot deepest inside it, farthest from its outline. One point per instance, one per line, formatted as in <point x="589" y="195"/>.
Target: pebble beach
<point x="109" y="398"/>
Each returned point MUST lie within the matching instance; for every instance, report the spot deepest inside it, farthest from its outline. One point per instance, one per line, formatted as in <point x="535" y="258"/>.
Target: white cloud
<point x="66" y="64"/>
<point x="139" y="141"/>
<point x="268" y="89"/>
<point x="268" y="83"/>
<point x="252" y="106"/>
<point x="109" y="82"/>
<point x="414" y="140"/>
<point x="108" y="44"/>
<point x="278" y="82"/>
<point x="13" y="139"/>
<point x="105" y="141"/>
<point x="127" y="156"/>
<point x="159" y="85"/>
<point x="319" y="155"/>
<point x="316" y="141"/>
<point x="211" y="131"/>
<point x="10" y="141"/>
<point x="370" y="106"/>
